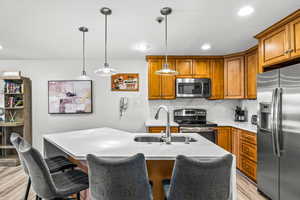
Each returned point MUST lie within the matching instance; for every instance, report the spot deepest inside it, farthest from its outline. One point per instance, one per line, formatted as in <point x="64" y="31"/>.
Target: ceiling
<point x="35" y="29"/>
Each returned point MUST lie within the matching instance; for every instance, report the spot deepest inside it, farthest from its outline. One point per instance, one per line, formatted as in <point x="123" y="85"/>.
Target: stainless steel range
<point x="194" y="121"/>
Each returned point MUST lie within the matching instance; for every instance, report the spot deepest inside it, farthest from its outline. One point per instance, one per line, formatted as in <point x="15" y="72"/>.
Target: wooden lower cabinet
<point x="159" y="129"/>
<point x="248" y="167"/>
<point x="224" y="138"/>
<point x="243" y="145"/>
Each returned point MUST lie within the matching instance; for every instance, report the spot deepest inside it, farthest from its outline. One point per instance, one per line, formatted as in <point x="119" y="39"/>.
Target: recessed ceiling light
<point x="143" y="47"/>
<point x="246" y="10"/>
<point x="205" y="47"/>
<point x="1" y="47"/>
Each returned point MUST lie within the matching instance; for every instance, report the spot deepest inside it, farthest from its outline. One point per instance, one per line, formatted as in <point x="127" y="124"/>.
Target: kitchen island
<point x="116" y="144"/>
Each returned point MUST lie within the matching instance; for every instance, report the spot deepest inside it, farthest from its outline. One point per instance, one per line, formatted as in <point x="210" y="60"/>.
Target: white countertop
<point x="111" y="143"/>
<point x="153" y="123"/>
<point x="241" y="125"/>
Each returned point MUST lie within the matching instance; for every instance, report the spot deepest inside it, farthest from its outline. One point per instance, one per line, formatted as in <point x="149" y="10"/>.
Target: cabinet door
<point x="295" y="38"/>
<point x="217" y="78"/>
<point x="224" y="138"/>
<point x="184" y="67"/>
<point x="234" y="87"/>
<point x="235" y="133"/>
<point x="159" y="129"/>
<point x="154" y="80"/>
<point x="168" y="84"/>
<point x="251" y="65"/>
<point x="201" y="68"/>
<point x="274" y="47"/>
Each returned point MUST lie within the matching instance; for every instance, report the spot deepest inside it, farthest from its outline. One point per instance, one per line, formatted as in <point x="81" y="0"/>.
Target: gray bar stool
<point x="125" y="179"/>
<point x="50" y="186"/>
<point x="199" y="180"/>
<point x="55" y="164"/>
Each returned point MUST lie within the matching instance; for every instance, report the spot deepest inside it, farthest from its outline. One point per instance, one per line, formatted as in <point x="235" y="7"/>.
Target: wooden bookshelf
<point x="15" y="115"/>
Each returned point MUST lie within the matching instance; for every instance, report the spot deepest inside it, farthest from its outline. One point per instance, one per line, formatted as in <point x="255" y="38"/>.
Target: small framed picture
<point x="125" y="82"/>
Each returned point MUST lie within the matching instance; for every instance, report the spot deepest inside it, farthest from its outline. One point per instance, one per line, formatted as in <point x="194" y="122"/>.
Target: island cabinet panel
<point x="168" y="83"/>
<point x="217" y="78"/>
<point x="234" y="86"/>
<point x="224" y="139"/>
<point x="274" y="47"/>
<point x="154" y="80"/>
<point x="251" y="66"/>
<point x="184" y="67"/>
<point x="201" y="68"/>
<point x="159" y="129"/>
<point x="295" y="38"/>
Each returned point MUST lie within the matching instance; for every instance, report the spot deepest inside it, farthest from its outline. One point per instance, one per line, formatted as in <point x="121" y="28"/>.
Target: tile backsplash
<point x="217" y="110"/>
<point x="251" y="107"/>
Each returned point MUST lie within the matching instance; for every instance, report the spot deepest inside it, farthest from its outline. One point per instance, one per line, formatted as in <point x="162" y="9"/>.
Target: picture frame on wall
<point x="70" y="97"/>
<point x="125" y="82"/>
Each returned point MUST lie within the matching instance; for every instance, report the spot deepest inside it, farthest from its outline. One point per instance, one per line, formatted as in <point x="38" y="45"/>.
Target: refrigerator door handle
<point x="278" y="120"/>
<point x="273" y="121"/>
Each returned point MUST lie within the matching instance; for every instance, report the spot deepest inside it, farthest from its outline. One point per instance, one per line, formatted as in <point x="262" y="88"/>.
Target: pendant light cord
<point x="83" y="52"/>
<point x="105" y="64"/>
<point x="166" y="41"/>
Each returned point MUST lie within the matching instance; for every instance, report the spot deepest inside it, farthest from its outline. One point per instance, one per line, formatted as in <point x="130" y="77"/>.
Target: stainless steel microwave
<point x="193" y="87"/>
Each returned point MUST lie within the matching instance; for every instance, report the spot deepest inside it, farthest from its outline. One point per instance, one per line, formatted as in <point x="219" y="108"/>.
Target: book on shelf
<point x="12" y="87"/>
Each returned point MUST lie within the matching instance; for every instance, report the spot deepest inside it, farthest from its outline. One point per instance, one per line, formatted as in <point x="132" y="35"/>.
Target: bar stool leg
<point x="27" y="189"/>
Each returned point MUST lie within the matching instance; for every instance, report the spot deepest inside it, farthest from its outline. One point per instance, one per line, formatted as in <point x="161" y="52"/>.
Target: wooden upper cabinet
<point x="295" y="38"/>
<point x="280" y="42"/>
<point x="274" y="47"/>
<point x="201" y="68"/>
<point x="184" y="67"/>
<point x="168" y="84"/>
<point x="217" y="78"/>
<point x="234" y="83"/>
<point x="251" y="66"/>
<point x="154" y="80"/>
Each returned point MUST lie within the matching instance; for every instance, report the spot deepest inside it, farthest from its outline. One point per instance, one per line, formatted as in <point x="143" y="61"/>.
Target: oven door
<point x="205" y="132"/>
<point x="193" y="87"/>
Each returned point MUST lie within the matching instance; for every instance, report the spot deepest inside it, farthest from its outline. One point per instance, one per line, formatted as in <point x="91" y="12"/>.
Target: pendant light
<point x="83" y="75"/>
<point x="106" y="70"/>
<point x="166" y="70"/>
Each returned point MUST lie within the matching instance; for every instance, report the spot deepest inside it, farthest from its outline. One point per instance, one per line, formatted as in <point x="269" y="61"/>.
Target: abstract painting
<point x="70" y="97"/>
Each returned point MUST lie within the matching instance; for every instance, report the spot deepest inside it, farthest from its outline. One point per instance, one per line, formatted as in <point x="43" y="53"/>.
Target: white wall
<point x="106" y="103"/>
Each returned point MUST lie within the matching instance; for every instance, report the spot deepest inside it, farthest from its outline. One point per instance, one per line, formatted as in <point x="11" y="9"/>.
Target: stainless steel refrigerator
<point x="278" y="94"/>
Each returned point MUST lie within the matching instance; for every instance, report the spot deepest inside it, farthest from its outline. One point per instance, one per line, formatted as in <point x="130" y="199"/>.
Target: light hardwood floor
<point x="13" y="182"/>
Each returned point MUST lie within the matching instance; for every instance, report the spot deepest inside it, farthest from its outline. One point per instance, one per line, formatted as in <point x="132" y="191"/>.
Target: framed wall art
<point x="70" y="97"/>
<point x="125" y="82"/>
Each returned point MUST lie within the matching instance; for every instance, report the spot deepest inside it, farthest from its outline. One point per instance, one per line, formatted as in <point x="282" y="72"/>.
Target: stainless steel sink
<point x="150" y="139"/>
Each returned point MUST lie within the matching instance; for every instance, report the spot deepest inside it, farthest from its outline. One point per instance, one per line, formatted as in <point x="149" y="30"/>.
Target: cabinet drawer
<point x="249" y="137"/>
<point x="248" y="167"/>
<point x="159" y="129"/>
<point x="249" y="151"/>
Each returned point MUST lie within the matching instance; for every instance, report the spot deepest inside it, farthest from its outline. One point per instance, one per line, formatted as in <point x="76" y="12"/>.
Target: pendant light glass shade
<point x="83" y="75"/>
<point x="166" y="71"/>
<point x="106" y="70"/>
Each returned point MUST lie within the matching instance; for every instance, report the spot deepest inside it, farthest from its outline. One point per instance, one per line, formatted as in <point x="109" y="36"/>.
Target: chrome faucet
<point x="168" y="132"/>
